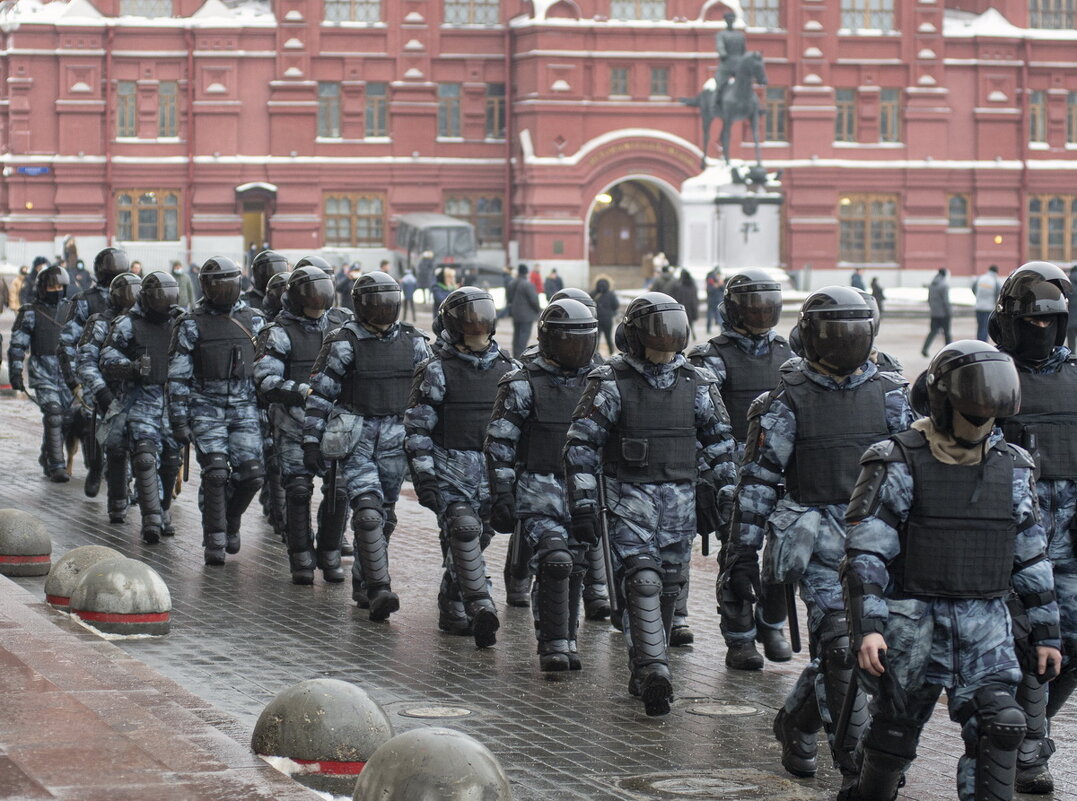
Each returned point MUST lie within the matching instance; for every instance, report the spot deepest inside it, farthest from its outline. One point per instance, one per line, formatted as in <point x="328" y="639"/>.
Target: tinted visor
<point x="222" y="292"/>
<point x="841" y="345"/>
<point x="122" y="297"/>
<point x="759" y="309"/>
<point x="665" y="331"/>
<point x="982" y="385"/>
<point x="1039" y="300"/>
<point x="475" y="318"/>
<point x="316" y="294"/>
<point x="571" y="348"/>
<point x="159" y="299"/>
<point x="378" y="308"/>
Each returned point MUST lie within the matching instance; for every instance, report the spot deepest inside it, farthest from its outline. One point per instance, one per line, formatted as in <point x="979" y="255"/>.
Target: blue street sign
<point x="33" y="170"/>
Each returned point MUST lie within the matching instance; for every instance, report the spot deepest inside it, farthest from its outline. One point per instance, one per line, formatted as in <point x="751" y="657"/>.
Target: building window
<point x="126" y="117"/>
<point x="147" y="215"/>
<point x="1052" y="227"/>
<point x="638" y="9"/>
<point x="868" y="229"/>
<point x="776" y="115"/>
<point x="329" y="109"/>
<point x="1071" y="118"/>
<point x="957" y="211"/>
<point x="485" y="212"/>
<point x="659" y="82"/>
<point x="761" y="13"/>
<point x="845" y="122"/>
<point x="353" y="10"/>
<point x="495" y="111"/>
<point x="145" y="8"/>
<point x="449" y="110"/>
<point x="377" y="113"/>
<point x="1037" y="116"/>
<point x="890" y="115"/>
<point x="619" y="81"/>
<point x="472" y="12"/>
<point x="167" y="116"/>
<point x="1057" y="14"/>
<point x="874" y="15"/>
<point x="355" y="220"/>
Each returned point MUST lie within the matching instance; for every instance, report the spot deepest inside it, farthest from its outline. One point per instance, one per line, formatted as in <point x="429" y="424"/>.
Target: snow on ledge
<point x="967" y="24"/>
<point x="83" y="13"/>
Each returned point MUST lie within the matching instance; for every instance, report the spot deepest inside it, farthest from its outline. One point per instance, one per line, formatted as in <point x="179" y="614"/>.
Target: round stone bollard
<point x="68" y="569"/>
<point x="122" y="596"/>
<point x="433" y="763"/>
<point x="327" y="726"/>
<point x="25" y="546"/>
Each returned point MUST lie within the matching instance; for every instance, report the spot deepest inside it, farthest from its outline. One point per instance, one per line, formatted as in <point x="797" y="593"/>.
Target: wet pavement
<point x="242" y="632"/>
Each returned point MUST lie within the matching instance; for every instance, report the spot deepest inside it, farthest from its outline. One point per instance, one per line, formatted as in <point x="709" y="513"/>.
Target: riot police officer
<point x="337" y="315"/>
<point x="645" y="410"/>
<point x="213" y="405"/>
<point x="884" y="361"/>
<point x="287" y="350"/>
<point x="744" y="359"/>
<point x="809" y="433"/>
<point x="1029" y="323"/>
<point x="942" y="527"/>
<point x="354" y="421"/>
<point x="37" y="330"/>
<point x="263" y="267"/>
<point x="452" y="396"/>
<point x="528" y="429"/>
<point x="273" y="301"/>
<point x="134" y="358"/>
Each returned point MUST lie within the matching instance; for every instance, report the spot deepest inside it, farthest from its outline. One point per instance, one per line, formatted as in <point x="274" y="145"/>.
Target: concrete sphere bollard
<point x="25" y="546"/>
<point x="68" y="569"/>
<point x="433" y="763"/>
<point x="328" y="726"/>
<point x="122" y="596"/>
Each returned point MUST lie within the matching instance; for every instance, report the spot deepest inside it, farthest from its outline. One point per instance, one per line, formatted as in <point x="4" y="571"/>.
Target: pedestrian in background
<point x="407" y="286"/>
<point x="15" y="287"/>
<point x="81" y="278"/>
<point x="938" y="305"/>
<point x="444" y="283"/>
<point x="686" y="293"/>
<point x="553" y="284"/>
<point x="986" y="287"/>
<point x="856" y="281"/>
<point x="136" y="267"/>
<point x="606" y="305"/>
<point x="524" y="309"/>
<point x="424" y="273"/>
<point x="878" y="293"/>
<point x="715" y="296"/>
<point x="186" y="288"/>
<point x="536" y="280"/>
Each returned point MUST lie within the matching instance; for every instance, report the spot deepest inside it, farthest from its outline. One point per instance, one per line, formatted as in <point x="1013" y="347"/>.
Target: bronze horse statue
<point x="737" y="101"/>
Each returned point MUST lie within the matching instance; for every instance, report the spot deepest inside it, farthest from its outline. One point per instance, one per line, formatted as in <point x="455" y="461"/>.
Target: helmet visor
<point x="476" y="317"/>
<point x="378" y="308"/>
<point x="759" y="310"/>
<point x="983" y="385"/>
<point x="665" y="331"/>
<point x="222" y="292"/>
<point x="159" y="299"/>
<point x="840" y="345"/>
<point x="569" y="348"/>
<point x="122" y="296"/>
<point x="317" y="294"/>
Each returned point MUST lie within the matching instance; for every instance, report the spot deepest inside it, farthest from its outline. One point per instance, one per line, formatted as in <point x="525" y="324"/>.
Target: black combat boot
<point x="650" y="666"/>
<point x="798" y="734"/>
<point x="372" y="557"/>
<point x="552" y="595"/>
<point x="596" y="598"/>
<point x="144" y="466"/>
<point x="116" y="485"/>
<point x="331" y="523"/>
<point x="300" y="542"/>
<point x="54" y="444"/>
<point x="214" y="508"/>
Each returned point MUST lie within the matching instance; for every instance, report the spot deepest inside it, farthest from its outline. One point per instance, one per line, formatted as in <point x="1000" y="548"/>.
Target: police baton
<point x="791" y="613"/>
<point x="607" y="552"/>
<point x="331" y="487"/>
<point x="187" y="462"/>
<point x="848" y="703"/>
<point x="93" y="435"/>
<point x="519" y="556"/>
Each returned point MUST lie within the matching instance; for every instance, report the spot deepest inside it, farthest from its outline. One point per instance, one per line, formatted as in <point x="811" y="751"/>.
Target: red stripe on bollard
<point x="332" y="768"/>
<point x="57" y="600"/>
<point x="112" y="617"/>
<point x="23" y="560"/>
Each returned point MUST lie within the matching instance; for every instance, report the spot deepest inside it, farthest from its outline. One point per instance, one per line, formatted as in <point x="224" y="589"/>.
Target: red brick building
<point x="911" y="133"/>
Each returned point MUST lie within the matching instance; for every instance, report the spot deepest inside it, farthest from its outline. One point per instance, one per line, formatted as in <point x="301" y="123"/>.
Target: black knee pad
<point x="53" y="409"/>
<point x="145" y="456"/>
<point x="461" y="523"/>
<point x="643" y="576"/>
<point x="554" y="558"/>
<point x="1001" y="720"/>
<point x="215" y="469"/>
<point x="301" y="488"/>
<point x="892" y="736"/>
<point x="368" y="513"/>
<point x="249" y="474"/>
<point x="171" y="460"/>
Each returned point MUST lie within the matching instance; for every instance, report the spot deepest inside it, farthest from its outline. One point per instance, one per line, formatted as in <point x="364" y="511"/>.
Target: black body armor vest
<point x="152" y="338"/>
<point x="546" y="430"/>
<point x="380" y="382"/>
<point x="834" y="428"/>
<point x="469" y="401"/>
<point x="655" y="439"/>
<point x="225" y="348"/>
<point x="96" y="299"/>
<point x="958" y="541"/>
<point x="306" y="345"/>
<point x="747" y="377"/>
<point x="48" y="323"/>
<point x="1048" y="413"/>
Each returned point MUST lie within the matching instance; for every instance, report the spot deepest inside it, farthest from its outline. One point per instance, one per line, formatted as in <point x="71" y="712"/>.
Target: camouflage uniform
<point x="80" y="309"/>
<point x="960" y="644"/>
<point x="805" y="544"/>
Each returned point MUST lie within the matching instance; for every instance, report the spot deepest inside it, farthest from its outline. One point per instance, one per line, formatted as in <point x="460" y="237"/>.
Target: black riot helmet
<point x="221" y="283"/>
<point x="309" y="292"/>
<point x="836" y="329"/>
<point x="567" y="333"/>
<point x="123" y="291"/>
<point x="1034" y="293"/>
<point x="468" y="313"/>
<point x="159" y="293"/>
<point x="975" y="380"/>
<point x="52" y="283"/>
<point x="876" y="314"/>
<point x="655" y="321"/>
<point x="109" y="263"/>
<point x="266" y="264"/>
<point x="315" y="261"/>
<point x="572" y="293"/>
<point x="376" y="297"/>
<point x="753" y="301"/>
<point x="274" y="299"/>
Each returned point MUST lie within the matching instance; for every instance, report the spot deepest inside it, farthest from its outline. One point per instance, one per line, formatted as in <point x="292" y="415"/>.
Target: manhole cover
<point x="749" y="785"/>
<point x="435" y="712"/>
<point x="721" y="709"/>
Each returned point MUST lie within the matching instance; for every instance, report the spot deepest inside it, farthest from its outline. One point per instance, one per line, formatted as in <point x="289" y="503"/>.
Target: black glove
<point x="312" y="457"/>
<point x="16" y="382"/>
<point x="181" y="432"/>
<point x="707" y="518"/>
<point x="429" y="495"/>
<point x="290" y="397"/>
<point x="585" y="528"/>
<point x="741" y="574"/>
<point x="103" y="399"/>
<point x="503" y="513"/>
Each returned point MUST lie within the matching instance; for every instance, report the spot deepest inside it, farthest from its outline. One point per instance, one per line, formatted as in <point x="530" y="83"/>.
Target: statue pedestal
<point x="727" y="224"/>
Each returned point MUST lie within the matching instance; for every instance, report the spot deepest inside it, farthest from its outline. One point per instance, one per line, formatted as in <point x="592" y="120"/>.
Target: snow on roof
<point x="965" y="24"/>
<point x="213" y="14"/>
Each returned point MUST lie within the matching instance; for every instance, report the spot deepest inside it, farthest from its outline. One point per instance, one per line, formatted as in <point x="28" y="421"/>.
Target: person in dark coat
<point x="424" y="272"/>
<point x="445" y="282"/>
<point x="524" y="309"/>
<point x="686" y="293"/>
<point x="553" y="284"/>
<point x="938" y="304"/>
<point x="606" y="305"/>
<point x="878" y="293"/>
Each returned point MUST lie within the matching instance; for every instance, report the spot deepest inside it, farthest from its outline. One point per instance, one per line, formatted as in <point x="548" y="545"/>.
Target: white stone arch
<point x="670" y="192"/>
<point x="732" y="4"/>
<point x="542" y="7"/>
